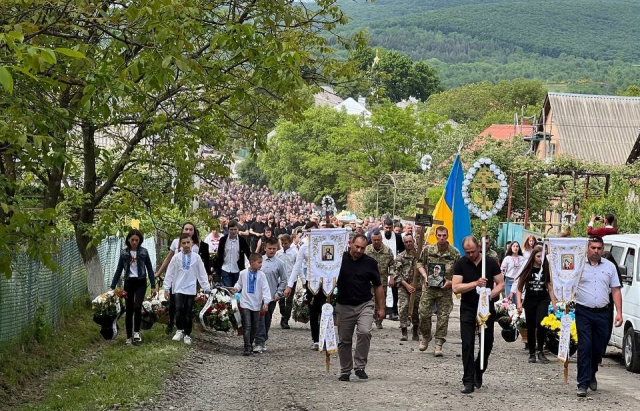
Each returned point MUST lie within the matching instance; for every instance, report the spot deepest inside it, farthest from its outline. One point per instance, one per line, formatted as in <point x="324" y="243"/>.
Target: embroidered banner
<point x="565" y="338"/>
<point x="483" y="306"/>
<point x="567" y="257"/>
<point x="326" y="247"/>
<point x="327" y="330"/>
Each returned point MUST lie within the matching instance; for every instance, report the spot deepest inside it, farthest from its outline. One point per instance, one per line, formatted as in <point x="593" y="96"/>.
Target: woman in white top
<point x="529" y="243"/>
<point x="511" y="266"/>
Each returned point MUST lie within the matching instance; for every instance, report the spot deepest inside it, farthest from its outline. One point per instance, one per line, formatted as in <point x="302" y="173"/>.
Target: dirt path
<point x="290" y="376"/>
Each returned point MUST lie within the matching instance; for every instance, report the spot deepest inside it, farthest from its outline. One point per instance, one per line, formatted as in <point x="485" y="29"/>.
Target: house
<point x="593" y="128"/>
<point x="505" y="132"/>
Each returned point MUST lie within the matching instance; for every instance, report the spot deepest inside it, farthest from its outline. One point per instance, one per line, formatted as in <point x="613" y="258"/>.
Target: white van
<point x="625" y="248"/>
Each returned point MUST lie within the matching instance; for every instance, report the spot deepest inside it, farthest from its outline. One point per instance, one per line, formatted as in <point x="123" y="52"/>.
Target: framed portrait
<point x="328" y="253"/>
<point x="567" y="261"/>
<point x="436" y="275"/>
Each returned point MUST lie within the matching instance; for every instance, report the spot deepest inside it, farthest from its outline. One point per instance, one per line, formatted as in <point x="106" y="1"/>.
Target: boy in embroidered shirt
<point x="184" y="270"/>
<point x="255" y="296"/>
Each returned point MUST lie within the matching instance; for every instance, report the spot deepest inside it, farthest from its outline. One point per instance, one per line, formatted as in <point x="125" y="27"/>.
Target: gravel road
<point x="290" y="376"/>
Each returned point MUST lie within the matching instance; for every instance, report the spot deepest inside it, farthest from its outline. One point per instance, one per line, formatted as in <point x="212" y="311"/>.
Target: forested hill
<point x="574" y="45"/>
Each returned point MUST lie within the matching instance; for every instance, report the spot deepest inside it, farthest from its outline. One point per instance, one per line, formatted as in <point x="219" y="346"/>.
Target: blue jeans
<point x="229" y="279"/>
<point x="592" y="332"/>
<point x="508" y="283"/>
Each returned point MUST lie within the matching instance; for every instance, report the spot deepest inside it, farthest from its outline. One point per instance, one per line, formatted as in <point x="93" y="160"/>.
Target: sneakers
<point x="137" y="339"/>
<point x="362" y="375"/>
<point x="315" y="347"/>
<point x="437" y="352"/>
<point x="257" y="349"/>
<point x="187" y="340"/>
<point x="178" y="336"/>
<point x="582" y="392"/>
<point x="127" y="342"/>
<point x="344" y="377"/>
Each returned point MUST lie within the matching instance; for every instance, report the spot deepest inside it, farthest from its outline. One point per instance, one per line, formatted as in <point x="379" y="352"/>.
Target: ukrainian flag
<point x="451" y="209"/>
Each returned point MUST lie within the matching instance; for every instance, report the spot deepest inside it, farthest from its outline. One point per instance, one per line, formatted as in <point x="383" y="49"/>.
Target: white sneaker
<point x="187" y="340"/>
<point x="137" y="339"/>
<point x="316" y="346"/>
<point x="178" y="336"/>
<point x="257" y="349"/>
<point x="128" y="341"/>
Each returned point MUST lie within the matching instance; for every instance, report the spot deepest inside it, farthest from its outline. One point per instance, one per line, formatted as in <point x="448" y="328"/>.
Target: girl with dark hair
<point x="535" y="285"/>
<point x="136" y="264"/>
<point x="262" y="242"/>
<point x="511" y="266"/>
<point x="199" y="247"/>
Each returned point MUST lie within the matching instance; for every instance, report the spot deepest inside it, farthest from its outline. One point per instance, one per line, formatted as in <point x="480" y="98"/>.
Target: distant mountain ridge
<point x="580" y="45"/>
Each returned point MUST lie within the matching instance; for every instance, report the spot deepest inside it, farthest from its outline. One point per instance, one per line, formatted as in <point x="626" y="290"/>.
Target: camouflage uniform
<point x="492" y="253"/>
<point x="442" y="298"/>
<point x="384" y="257"/>
<point x="403" y="269"/>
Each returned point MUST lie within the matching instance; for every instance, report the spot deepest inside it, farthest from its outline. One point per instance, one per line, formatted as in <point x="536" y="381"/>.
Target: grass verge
<point x="85" y="371"/>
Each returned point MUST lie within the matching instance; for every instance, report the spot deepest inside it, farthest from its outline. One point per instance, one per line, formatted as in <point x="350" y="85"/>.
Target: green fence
<point x="35" y="290"/>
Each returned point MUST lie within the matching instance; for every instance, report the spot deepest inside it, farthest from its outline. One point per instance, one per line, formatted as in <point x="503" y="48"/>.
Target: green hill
<point x="577" y="45"/>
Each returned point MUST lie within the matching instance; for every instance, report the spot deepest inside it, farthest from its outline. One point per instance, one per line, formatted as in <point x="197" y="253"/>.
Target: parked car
<point x="625" y="248"/>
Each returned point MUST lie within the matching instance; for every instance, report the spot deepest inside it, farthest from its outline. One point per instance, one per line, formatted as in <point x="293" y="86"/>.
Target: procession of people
<point x="382" y="254"/>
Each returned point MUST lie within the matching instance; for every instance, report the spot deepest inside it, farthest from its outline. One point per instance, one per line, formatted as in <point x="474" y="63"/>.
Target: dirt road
<point x="290" y="376"/>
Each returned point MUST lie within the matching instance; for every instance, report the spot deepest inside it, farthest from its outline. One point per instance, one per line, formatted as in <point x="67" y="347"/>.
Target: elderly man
<point x="358" y="272"/>
<point x="599" y="278"/>
<point x="383" y="256"/>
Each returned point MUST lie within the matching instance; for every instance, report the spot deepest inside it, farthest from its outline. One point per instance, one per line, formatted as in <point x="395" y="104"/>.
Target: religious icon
<point x="567" y="261"/>
<point x="327" y="253"/>
<point x="435" y="275"/>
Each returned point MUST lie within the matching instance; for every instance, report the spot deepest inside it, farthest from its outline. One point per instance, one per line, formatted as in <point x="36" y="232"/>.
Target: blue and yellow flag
<point x="451" y="209"/>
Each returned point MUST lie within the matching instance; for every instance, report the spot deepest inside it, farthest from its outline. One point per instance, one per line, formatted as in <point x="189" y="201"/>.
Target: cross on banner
<point x="426" y="219"/>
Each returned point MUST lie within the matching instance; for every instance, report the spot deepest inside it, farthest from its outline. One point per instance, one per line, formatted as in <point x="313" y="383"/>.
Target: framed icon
<point x="328" y="253"/>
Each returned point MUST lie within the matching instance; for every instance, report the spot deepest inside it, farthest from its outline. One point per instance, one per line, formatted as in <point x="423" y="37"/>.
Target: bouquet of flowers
<point x="219" y="311"/>
<point x="508" y="318"/>
<point x="552" y="323"/>
<point x="300" y="308"/>
<point x="151" y="310"/>
<point x="107" y="309"/>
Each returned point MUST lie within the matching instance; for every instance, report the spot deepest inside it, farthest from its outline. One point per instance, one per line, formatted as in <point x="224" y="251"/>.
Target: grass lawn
<point x="75" y="369"/>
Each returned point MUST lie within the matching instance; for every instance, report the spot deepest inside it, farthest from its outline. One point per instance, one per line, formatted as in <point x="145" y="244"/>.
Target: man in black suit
<point x="230" y="256"/>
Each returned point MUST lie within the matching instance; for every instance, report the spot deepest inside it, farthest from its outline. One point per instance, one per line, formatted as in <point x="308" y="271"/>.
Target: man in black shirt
<point x="256" y="229"/>
<point x="356" y="308"/>
<point x="467" y="275"/>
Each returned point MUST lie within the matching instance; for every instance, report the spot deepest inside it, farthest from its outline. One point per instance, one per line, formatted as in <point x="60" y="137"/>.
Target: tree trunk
<point x="91" y="259"/>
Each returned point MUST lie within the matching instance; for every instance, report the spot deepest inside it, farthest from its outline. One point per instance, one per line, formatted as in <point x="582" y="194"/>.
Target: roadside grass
<point x="84" y="371"/>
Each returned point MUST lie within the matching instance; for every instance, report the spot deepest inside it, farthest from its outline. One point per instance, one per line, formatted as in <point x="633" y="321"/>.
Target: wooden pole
<point x="416" y="273"/>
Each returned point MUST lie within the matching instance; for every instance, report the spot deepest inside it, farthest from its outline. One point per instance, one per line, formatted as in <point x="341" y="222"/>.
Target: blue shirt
<point x="596" y="283"/>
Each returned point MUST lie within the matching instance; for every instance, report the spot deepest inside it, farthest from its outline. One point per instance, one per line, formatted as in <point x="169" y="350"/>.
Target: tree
<point x="158" y="81"/>
<point x="631" y="91"/>
<point x="391" y="74"/>
<point x="250" y="173"/>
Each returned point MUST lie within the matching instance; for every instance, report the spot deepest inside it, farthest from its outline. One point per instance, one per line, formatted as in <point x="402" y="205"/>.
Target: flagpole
<point x="484" y="275"/>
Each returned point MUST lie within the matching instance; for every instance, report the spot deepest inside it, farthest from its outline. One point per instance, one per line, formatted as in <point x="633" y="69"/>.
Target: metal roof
<point x="595" y="128"/>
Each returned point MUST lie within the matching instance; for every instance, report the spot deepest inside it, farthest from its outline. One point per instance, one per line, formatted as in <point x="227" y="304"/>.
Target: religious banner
<point x="567" y="257"/>
<point x="326" y="247"/>
<point x="483" y="306"/>
<point x="565" y="337"/>
<point x="327" y="338"/>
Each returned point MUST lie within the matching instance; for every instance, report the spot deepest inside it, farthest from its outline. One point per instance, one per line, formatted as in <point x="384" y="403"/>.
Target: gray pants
<point x="360" y="319"/>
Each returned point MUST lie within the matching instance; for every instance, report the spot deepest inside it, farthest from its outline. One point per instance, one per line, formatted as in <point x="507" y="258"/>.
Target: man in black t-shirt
<point x="256" y="229"/>
<point x="467" y="275"/>
<point x="358" y="272"/>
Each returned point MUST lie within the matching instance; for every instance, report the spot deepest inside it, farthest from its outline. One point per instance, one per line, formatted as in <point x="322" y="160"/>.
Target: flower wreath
<point x="502" y="197"/>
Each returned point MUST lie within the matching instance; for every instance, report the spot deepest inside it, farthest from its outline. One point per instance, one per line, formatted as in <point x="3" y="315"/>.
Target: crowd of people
<point x="266" y="232"/>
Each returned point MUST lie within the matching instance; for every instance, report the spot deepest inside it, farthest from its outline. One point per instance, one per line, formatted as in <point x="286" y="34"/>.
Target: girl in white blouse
<point x="511" y="266"/>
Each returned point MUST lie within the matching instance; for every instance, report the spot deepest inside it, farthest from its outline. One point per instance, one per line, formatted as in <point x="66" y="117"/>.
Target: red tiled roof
<point x="502" y="131"/>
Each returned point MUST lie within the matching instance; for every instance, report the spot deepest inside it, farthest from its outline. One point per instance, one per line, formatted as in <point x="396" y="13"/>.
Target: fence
<point x="35" y="291"/>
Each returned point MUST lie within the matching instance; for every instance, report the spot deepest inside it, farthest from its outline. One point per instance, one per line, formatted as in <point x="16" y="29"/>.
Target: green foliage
<point x="250" y="173"/>
<point x="631" y="91"/>
<point x="391" y="75"/>
<point x="469" y="41"/>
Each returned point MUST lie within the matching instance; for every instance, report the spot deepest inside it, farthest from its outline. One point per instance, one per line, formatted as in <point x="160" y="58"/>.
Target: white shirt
<point x="300" y="267"/>
<point x="512" y="265"/>
<point x="181" y="281"/>
<point x="231" y="255"/>
<point x="253" y="301"/>
<point x="596" y="283"/>
<point x="288" y="257"/>
<point x="133" y="266"/>
<point x="391" y="243"/>
<point x="213" y="242"/>
<point x="175" y="247"/>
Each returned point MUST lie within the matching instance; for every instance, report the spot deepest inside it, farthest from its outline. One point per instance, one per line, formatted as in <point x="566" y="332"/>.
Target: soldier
<point x="403" y="271"/>
<point x="383" y="255"/>
<point x="436" y="267"/>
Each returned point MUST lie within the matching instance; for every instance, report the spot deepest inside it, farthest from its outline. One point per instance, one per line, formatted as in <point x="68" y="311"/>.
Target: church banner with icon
<point x="567" y="257"/>
<point x="326" y="247"/>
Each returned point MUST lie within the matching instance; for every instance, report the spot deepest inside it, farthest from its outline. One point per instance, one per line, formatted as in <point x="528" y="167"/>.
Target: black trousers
<point x="286" y="304"/>
<point x="184" y="312"/>
<point x="592" y="331"/>
<point x="172" y="309"/>
<point x="470" y="364"/>
<point x="394" y="293"/>
<point x="136" y="289"/>
<point x="315" y="310"/>
<point x="535" y="311"/>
